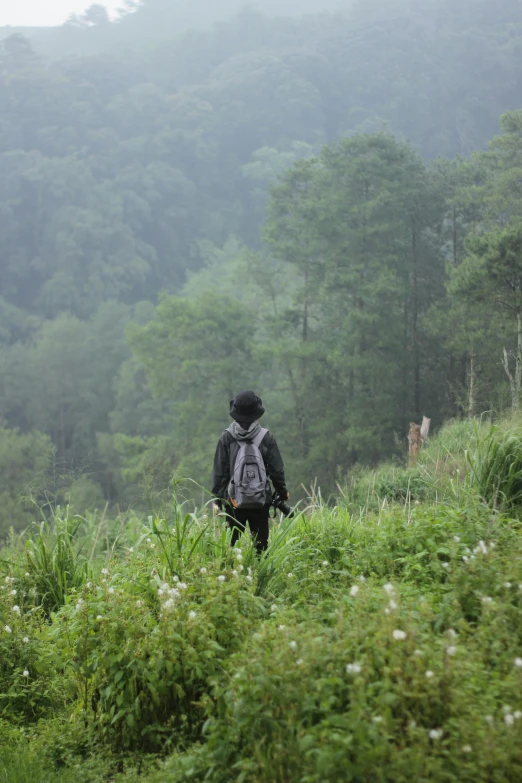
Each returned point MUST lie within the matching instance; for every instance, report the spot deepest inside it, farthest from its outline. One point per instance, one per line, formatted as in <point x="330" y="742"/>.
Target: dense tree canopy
<point x="306" y="185"/>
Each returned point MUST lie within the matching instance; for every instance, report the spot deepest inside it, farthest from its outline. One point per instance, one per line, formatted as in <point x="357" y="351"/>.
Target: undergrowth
<point x="380" y="641"/>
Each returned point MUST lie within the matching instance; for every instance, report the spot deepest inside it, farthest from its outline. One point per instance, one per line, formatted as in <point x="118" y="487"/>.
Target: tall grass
<point x="56" y="559"/>
<point x="496" y="466"/>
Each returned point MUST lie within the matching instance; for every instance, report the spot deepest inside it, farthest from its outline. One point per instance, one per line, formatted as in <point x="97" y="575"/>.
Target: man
<point x="246" y="410"/>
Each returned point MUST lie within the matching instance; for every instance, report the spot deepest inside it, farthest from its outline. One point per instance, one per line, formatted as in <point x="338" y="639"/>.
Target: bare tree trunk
<point x="414" y="321"/>
<point x="515" y="380"/>
<point x="472" y="385"/>
<point x="62" y="434"/>
<point x="518" y="359"/>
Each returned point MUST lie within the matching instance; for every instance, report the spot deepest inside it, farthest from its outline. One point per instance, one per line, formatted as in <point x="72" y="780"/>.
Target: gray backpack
<point x="249" y="487"/>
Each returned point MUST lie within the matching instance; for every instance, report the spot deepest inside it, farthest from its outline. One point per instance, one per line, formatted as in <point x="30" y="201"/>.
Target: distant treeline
<point x="381" y="282"/>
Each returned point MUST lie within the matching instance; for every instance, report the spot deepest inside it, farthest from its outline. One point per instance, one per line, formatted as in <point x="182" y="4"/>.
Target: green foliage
<point x="25" y="469"/>
<point x="496" y="466"/>
<point x="175" y="642"/>
<point x="56" y="559"/>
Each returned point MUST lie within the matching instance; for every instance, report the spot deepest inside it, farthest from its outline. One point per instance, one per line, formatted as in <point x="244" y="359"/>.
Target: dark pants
<point x="257" y="521"/>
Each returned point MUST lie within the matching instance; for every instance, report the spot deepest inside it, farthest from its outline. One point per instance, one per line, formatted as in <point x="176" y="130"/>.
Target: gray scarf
<point x="237" y="431"/>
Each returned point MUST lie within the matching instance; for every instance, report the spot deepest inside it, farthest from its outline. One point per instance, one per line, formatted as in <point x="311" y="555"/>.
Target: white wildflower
<point x="418" y="653"/>
<point x="238" y="554"/>
<point x="386" y="611"/>
<point x="169" y="603"/>
<point x="299" y="662"/>
<point x="79" y="604"/>
<point x="8" y="580"/>
<point x="486" y="599"/>
<point x="89" y="585"/>
<point x="466" y="749"/>
<point x="131" y="550"/>
<point x="509" y="719"/>
<point x="221" y="578"/>
<point x="517" y="715"/>
<point x="488" y="719"/>
<point x="354" y="590"/>
<point x="26" y="673"/>
<point x="192" y="615"/>
<point x="318" y="571"/>
<point x="148" y="541"/>
<point x="13" y="592"/>
<point x="235" y="573"/>
<point x="182" y="586"/>
<point x="353" y="668"/>
<point x="430" y="674"/>
<point x="16" y="609"/>
<point x="160" y="592"/>
<point x="362" y="578"/>
<point x="435" y="734"/>
<point x="506" y="708"/>
<point x="399" y="635"/>
<point x="290" y="575"/>
<point x="507" y="585"/>
<point x="249" y="579"/>
<point x="412" y="725"/>
<point x="273" y="608"/>
<point x="325" y="563"/>
<point x="452" y="633"/>
<point x="389" y="589"/>
<point x="249" y="571"/>
<point x="111" y="590"/>
<point x="203" y="570"/>
<point x="281" y="627"/>
<point x="241" y="567"/>
<point x="392" y="605"/>
<point x="7" y="629"/>
<point x="451" y="650"/>
<point x="518" y="663"/>
<point x="105" y="571"/>
<point x="483" y="548"/>
<point x="292" y="645"/>
<point x="492" y="545"/>
<point x="99" y="617"/>
<point x="465" y="559"/>
<point x="25" y="640"/>
<point x="175" y="578"/>
<point x="377" y="719"/>
<point x="173" y="593"/>
<point x="445" y="564"/>
<point x="139" y="603"/>
<point x="457" y="539"/>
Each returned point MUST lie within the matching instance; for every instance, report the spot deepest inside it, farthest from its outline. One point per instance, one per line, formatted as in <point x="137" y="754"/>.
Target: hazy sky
<point x="45" y="12"/>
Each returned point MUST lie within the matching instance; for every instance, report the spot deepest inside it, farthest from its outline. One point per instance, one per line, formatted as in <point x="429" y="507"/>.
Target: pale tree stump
<point x="416" y="437"/>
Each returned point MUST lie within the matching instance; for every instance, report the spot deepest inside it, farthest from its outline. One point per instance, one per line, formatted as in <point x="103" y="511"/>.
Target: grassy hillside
<point x="380" y="638"/>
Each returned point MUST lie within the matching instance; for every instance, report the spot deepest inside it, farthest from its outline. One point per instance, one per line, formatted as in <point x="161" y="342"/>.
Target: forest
<point x="320" y="201"/>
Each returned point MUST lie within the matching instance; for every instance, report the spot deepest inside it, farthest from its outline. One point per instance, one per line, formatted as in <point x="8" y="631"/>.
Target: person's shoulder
<point x="268" y="437"/>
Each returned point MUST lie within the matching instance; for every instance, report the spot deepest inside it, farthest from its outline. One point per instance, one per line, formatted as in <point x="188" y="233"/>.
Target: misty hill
<point x="137" y="157"/>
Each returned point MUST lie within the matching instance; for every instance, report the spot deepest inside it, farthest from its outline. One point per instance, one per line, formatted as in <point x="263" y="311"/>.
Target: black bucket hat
<point x="246" y="407"/>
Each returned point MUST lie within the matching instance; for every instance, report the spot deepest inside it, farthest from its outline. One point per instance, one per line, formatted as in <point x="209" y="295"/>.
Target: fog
<point x="35" y="13"/>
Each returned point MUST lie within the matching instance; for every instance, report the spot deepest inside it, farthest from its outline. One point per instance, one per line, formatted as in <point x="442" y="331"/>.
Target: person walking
<point x="247" y="459"/>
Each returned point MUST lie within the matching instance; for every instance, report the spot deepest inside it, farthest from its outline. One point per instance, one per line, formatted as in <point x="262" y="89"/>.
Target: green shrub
<point x="363" y="696"/>
<point x="145" y="652"/>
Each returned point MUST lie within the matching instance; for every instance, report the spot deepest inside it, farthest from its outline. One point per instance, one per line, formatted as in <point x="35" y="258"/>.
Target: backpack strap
<point x="259" y="437"/>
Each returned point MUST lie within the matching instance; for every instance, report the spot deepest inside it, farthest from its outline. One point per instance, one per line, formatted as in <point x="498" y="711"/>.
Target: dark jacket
<point x="225" y="460"/>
